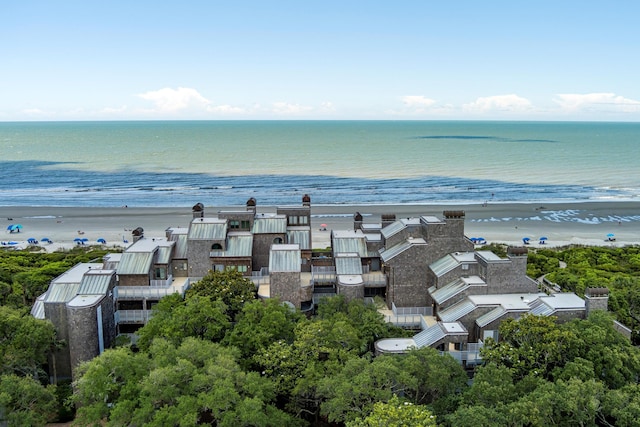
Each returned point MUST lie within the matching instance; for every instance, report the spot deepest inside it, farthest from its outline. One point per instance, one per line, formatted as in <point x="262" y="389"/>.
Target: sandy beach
<point x="563" y="224"/>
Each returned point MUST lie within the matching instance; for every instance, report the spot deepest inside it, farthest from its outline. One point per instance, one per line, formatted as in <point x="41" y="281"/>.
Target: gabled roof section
<point x="135" y="263"/>
<point x="208" y="229"/>
<point x="64" y="287"/>
<point x="239" y="244"/>
<point x="111" y="260"/>
<point x="396" y="250"/>
<point x="444" y="265"/>
<point x="181" y="246"/>
<point x="164" y="252"/>
<point x="96" y="282"/>
<point x="269" y="224"/>
<point x="284" y="258"/>
<point x="300" y="236"/>
<point x="457" y="311"/>
<point x="348" y="264"/>
<point x="429" y="336"/>
<point x="491" y="316"/>
<point x="456" y="287"/>
<point x="399" y="225"/>
<point x="349" y="242"/>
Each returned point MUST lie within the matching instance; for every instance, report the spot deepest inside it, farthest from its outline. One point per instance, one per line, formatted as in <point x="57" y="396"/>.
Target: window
<point x="277" y="240"/>
<point x="160" y="273"/>
<point x="216" y="247"/>
<point x="293" y="220"/>
<point x="304" y="220"/>
<point x="234" y="224"/>
<point x="245" y="225"/>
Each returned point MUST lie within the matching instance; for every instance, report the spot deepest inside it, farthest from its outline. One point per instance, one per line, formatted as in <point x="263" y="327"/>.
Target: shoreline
<point x="563" y="223"/>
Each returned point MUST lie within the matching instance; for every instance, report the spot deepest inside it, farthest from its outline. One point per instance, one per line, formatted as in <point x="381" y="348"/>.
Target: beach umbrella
<point x="101" y="240"/>
<point x="526" y="240"/>
<point x="46" y="240"/>
<point x="12" y="243"/>
<point x="480" y="240"/>
<point x="32" y="241"/>
<point x="610" y="235"/>
<point x="543" y="238"/>
<point x="77" y="240"/>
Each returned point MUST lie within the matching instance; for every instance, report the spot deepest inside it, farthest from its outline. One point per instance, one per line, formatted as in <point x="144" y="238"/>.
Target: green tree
<point x="259" y="324"/>
<point x="108" y="382"/>
<point x="432" y="376"/>
<point x="25" y="402"/>
<point x="351" y="393"/>
<point x="530" y="345"/>
<point x="196" y="383"/>
<point x="229" y="286"/>
<point x="613" y="359"/>
<point x="396" y="413"/>
<point x="25" y="343"/>
<point x="176" y="319"/>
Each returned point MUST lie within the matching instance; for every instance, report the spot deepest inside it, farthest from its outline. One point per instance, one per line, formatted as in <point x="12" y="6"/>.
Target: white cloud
<point x="327" y="107"/>
<point x="225" y="109"/>
<point x="417" y="101"/>
<point x="287" y="108"/>
<point x="574" y="102"/>
<point x="500" y="103"/>
<point x="171" y="100"/>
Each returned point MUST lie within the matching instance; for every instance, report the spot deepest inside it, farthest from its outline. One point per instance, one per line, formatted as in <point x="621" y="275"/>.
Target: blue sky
<point x="372" y="60"/>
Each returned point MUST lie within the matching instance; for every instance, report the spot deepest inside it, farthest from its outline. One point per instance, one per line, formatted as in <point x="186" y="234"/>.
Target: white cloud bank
<point x="499" y="103"/>
<point x="596" y="102"/>
<point x="417" y="101"/>
<point x="169" y="100"/>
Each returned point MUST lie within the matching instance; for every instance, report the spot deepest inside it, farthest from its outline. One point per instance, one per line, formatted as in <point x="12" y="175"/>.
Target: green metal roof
<point x="135" y="263"/>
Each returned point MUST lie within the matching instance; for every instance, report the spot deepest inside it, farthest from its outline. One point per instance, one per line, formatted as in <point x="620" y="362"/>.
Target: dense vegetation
<point x="577" y="268"/>
<point x="221" y="357"/>
<point x="25" y="342"/>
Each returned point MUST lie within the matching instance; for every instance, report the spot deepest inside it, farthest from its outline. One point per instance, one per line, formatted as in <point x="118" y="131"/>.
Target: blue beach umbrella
<point x="32" y="241"/>
<point x="46" y="240"/>
<point x="526" y="240"/>
<point x="77" y="240"/>
<point x="543" y="239"/>
<point x="101" y="240"/>
<point x="610" y="235"/>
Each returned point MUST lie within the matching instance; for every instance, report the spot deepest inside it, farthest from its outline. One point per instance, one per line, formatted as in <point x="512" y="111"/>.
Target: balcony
<point x="178" y="285"/>
<point x="132" y="316"/>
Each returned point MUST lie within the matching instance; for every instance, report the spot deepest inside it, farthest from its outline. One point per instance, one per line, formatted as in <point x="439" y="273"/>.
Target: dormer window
<point x="278" y="240"/>
<point x="216" y="247"/>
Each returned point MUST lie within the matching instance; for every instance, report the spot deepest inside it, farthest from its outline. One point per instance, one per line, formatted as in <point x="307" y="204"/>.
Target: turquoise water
<point x="226" y="162"/>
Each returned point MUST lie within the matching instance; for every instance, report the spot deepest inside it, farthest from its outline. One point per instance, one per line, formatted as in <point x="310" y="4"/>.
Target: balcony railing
<point x="132" y="316"/>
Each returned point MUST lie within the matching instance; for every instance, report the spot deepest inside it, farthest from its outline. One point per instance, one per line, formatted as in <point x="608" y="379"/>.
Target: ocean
<point x="224" y="163"/>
